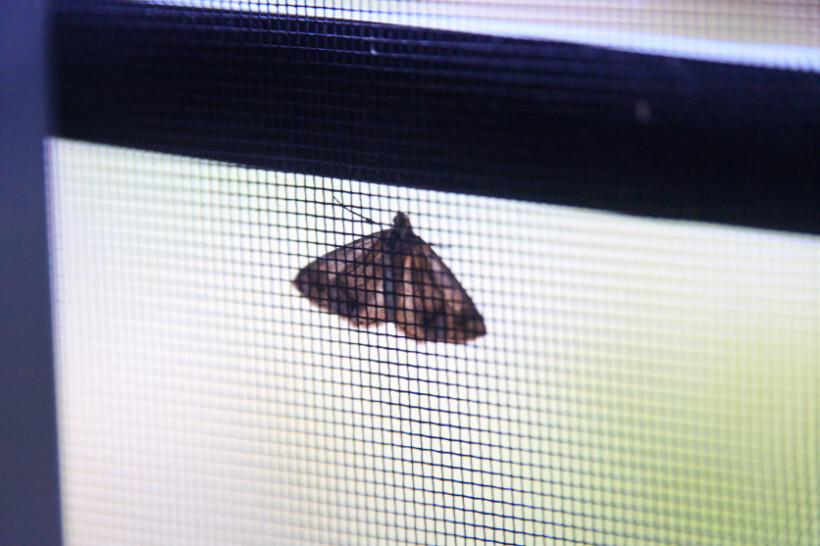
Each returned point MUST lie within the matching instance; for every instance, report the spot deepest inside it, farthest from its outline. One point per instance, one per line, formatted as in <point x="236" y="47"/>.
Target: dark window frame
<point x="541" y="121"/>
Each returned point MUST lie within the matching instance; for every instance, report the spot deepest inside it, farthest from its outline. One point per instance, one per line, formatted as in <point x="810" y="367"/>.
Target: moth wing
<point x="349" y="281"/>
<point x="431" y="304"/>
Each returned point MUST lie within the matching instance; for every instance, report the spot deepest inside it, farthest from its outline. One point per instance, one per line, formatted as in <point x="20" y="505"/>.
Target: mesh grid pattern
<point x="641" y="381"/>
<point x="768" y="21"/>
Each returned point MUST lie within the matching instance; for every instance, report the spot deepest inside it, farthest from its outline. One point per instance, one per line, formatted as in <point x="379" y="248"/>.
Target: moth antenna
<point x="353" y="212"/>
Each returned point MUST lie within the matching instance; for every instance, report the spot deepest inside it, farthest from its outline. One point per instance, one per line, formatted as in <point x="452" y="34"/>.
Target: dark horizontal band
<point x="541" y="121"/>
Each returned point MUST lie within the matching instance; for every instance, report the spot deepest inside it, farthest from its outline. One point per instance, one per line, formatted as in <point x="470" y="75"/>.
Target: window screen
<point x="638" y="380"/>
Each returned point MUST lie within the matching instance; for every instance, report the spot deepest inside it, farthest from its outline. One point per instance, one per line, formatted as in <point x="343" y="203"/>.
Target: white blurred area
<point x="641" y="381"/>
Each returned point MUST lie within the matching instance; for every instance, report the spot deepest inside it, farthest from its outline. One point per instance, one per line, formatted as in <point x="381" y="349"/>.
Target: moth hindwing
<point x="393" y="276"/>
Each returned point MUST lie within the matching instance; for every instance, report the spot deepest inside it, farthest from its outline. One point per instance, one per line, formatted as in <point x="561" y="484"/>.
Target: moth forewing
<point x="347" y="281"/>
<point x="443" y="310"/>
<point x="393" y="276"/>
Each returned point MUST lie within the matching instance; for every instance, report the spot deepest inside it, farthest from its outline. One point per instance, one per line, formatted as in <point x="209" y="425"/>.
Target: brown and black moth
<point x="393" y="276"/>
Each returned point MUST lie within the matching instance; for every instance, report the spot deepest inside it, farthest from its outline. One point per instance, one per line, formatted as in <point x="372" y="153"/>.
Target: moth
<point x="393" y="276"/>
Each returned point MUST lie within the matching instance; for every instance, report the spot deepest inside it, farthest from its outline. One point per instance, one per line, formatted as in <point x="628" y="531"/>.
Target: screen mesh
<point x="762" y="21"/>
<point x="640" y="380"/>
<point x="634" y="380"/>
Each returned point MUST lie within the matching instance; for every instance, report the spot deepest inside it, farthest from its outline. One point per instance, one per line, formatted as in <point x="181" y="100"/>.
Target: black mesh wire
<point x="638" y="381"/>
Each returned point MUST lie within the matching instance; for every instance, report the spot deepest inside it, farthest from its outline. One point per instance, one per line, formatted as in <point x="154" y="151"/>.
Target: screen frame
<point x="30" y="503"/>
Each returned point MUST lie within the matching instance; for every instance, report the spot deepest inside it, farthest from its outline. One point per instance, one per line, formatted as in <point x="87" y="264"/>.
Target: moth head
<point x="401" y="221"/>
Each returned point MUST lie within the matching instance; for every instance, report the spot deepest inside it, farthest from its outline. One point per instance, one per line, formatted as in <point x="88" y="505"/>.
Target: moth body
<point x="393" y="276"/>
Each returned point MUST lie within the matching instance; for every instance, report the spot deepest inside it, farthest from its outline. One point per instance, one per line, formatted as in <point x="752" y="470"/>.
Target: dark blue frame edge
<point x="29" y="480"/>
